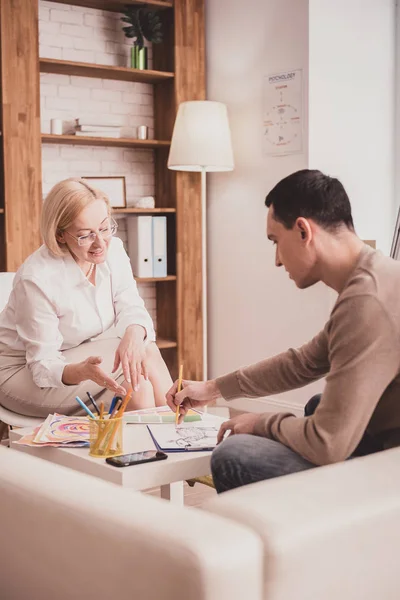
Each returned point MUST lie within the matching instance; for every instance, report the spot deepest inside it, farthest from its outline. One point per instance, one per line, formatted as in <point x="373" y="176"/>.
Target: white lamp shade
<point x="201" y="139"/>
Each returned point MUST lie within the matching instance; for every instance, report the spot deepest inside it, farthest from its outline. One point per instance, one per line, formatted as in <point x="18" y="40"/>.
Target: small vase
<point x="138" y="58"/>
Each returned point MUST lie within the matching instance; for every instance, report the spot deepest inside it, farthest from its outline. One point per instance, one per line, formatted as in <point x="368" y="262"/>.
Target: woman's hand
<point x="194" y="394"/>
<point x="75" y="373"/>
<point x="131" y="354"/>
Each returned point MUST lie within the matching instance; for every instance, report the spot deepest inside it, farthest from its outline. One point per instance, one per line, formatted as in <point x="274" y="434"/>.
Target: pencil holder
<point x="106" y="437"/>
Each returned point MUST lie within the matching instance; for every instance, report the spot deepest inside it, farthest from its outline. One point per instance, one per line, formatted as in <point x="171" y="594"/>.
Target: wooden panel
<point x="184" y="189"/>
<point x="21" y="128"/>
<point x="142" y="211"/>
<point x="189" y="85"/>
<point x="66" y="67"/>
<point x="75" y="140"/>
<point x="115" y="5"/>
<point x="3" y="265"/>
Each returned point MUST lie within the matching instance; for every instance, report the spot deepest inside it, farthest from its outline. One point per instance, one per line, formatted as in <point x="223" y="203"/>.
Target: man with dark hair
<point x="310" y="223"/>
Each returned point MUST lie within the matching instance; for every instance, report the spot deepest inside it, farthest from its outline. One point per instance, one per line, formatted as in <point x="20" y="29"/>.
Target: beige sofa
<point x="332" y="533"/>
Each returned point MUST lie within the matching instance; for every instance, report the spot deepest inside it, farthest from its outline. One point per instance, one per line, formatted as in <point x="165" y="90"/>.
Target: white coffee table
<point x="167" y="474"/>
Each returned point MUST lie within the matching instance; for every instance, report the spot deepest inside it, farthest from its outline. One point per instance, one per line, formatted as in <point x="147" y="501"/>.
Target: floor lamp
<point x="201" y="141"/>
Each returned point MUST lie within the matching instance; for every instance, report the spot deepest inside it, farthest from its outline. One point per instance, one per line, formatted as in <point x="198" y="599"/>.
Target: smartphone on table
<point x="136" y="458"/>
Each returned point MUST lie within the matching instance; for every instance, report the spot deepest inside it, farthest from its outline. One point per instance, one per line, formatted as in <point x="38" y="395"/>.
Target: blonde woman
<point x="75" y="322"/>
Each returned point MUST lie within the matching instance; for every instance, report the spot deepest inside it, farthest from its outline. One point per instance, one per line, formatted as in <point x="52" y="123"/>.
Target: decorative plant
<point x="144" y="23"/>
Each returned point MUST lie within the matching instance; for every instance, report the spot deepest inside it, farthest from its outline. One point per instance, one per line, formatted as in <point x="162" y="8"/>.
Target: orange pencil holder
<point x="106" y="437"/>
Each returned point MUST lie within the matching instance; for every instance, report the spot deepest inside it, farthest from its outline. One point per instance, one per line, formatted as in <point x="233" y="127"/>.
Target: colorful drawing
<point x="59" y="430"/>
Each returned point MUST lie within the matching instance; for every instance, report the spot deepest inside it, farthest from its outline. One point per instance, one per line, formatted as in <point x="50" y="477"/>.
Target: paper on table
<point x="188" y="436"/>
<point x="59" y="430"/>
<point x="161" y="414"/>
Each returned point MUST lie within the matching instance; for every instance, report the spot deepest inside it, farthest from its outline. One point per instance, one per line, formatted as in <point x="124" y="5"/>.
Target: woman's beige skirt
<point x="20" y="394"/>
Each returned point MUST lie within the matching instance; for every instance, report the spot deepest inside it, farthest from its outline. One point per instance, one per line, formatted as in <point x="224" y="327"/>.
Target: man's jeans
<point x="243" y="458"/>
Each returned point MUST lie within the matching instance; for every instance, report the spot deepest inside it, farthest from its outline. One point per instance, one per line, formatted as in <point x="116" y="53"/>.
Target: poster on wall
<point x="283" y="113"/>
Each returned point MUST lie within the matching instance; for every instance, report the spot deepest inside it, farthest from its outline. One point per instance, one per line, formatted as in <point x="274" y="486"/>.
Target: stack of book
<point x="85" y="128"/>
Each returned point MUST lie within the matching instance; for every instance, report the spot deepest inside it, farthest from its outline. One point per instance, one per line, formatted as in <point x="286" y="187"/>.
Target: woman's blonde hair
<point x="62" y="205"/>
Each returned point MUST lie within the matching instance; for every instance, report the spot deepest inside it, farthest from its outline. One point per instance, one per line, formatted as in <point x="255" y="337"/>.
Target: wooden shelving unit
<point x="66" y="67"/>
<point x="76" y="140"/>
<point x="164" y="344"/>
<point x="115" y="5"/>
<point x="178" y="74"/>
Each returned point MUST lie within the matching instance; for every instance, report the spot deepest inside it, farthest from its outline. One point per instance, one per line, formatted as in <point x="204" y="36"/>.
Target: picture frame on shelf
<point x="113" y="186"/>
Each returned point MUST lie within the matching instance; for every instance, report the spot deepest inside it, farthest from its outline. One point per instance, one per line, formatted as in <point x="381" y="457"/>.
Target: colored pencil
<point x="89" y="412"/>
<point x="179" y="389"/>
<point x="89" y="395"/>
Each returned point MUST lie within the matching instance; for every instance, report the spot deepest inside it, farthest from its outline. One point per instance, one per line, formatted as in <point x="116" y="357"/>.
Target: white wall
<point x="351" y="106"/>
<point x="346" y="51"/>
<point x="397" y="111"/>
<point x="255" y="311"/>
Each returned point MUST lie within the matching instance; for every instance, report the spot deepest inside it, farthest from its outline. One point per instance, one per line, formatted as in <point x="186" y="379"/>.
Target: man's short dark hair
<point x="312" y="195"/>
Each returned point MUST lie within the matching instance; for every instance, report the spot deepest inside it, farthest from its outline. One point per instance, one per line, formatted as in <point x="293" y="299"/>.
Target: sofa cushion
<point x="331" y="532"/>
<point x="66" y="535"/>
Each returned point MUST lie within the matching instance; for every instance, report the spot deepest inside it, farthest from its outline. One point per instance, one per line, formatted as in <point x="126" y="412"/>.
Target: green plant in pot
<point x="144" y="24"/>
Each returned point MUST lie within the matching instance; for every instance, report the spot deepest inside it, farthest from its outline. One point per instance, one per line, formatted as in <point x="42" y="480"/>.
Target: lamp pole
<point x="204" y="270"/>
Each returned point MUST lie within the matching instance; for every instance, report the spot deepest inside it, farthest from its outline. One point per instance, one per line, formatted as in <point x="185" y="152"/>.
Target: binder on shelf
<point x="159" y="246"/>
<point x="140" y="245"/>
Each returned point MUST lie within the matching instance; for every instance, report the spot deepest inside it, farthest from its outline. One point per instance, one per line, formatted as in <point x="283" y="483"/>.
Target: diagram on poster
<point x="283" y="113"/>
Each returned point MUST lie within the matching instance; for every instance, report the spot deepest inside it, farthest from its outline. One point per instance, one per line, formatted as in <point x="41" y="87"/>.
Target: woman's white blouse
<point x="53" y="307"/>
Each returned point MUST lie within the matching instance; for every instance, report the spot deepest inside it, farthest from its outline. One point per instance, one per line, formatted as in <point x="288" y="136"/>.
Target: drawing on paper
<point x="193" y="436"/>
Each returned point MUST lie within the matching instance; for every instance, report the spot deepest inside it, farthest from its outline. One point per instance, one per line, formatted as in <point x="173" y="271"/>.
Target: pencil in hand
<point x="179" y="389"/>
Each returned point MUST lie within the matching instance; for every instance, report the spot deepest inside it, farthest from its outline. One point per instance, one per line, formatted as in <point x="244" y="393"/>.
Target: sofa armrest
<point x="66" y="535"/>
<point x="331" y="532"/>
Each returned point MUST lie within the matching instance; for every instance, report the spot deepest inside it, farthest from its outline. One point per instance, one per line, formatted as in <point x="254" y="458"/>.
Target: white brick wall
<point x="89" y="35"/>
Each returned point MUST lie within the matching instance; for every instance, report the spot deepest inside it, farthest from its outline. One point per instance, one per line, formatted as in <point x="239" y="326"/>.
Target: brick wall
<point x="94" y="36"/>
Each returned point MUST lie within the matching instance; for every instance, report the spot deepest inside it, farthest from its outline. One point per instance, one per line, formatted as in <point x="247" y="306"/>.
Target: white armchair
<point x="8" y="418"/>
<point x="6" y="281"/>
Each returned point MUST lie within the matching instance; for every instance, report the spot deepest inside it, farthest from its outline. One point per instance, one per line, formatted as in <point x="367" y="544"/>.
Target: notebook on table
<point x="188" y="437"/>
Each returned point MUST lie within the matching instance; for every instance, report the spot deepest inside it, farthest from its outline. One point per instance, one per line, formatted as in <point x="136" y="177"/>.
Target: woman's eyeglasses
<point x="105" y="232"/>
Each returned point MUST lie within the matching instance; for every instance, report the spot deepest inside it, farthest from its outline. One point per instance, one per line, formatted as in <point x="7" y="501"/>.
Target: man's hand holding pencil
<point x="191" y="394"/>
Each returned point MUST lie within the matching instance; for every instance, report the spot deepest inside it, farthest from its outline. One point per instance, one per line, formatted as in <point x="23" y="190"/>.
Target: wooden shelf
<point x="66" y="67"/>
<point x="75" y="140"/>
<point x="115" y="5"/>
<point x="163" y="343"/>
<point x="142" y="211"/>
<point x="154" y="279"/>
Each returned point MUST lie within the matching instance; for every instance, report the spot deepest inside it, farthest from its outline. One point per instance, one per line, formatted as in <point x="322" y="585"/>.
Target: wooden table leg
<point x="173" y="492"/>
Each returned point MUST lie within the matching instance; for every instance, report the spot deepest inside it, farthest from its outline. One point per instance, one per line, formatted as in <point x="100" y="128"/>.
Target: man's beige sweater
<point x="358" y="350"/>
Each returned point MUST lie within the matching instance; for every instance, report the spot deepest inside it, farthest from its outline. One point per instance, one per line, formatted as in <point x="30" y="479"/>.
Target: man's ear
<point x="302" y="225"/>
